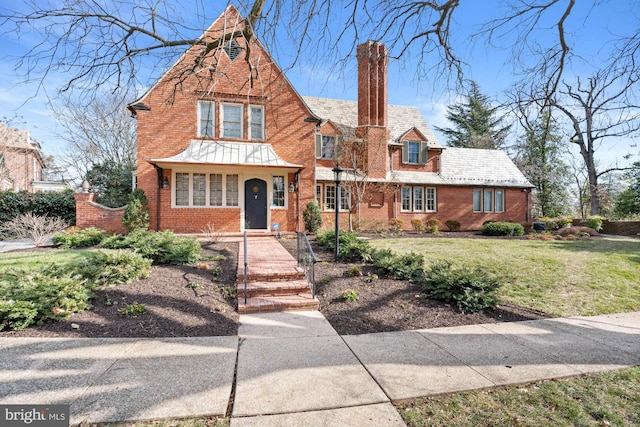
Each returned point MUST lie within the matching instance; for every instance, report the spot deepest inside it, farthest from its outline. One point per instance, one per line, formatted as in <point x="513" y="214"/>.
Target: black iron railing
<point x="307" y="261"/>
<point x="246" y="268"/>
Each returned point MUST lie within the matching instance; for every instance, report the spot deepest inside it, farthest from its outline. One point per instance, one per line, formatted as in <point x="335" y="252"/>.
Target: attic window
<point x="232" y="49"/>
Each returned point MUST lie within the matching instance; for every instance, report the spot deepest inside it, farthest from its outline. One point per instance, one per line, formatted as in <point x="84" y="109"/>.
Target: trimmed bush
<point x="502" y="229"/>
<point x="76" y="238"/>
<point x="351" y="248"/>
<point x="452" y="224"/>
<point x="401" y="267"/>
<point x="471" y="290"/>
<point x="55" y="204"/>
<point x="113" y="268"/>
<point x="396" y="225"/>
<point x="312" y="217"/>
<point x="595" y="222"/>
<point x="162" y="247"/>
<point x="417" y="224"/>
<point x="433" y="225"/>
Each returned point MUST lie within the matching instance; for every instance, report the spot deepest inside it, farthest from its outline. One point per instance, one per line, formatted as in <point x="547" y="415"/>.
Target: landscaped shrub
<point x="555" y="223"/>
<point x="162" y="247"/>
<point x="502" y="229"/>
<point x="55" y="204"/>
<point x="401" y="267"/>
<point x="312" y="217"/>
<point x="113" y="268"/>
<point x="471" y="290"/>
<point x="417" y="224"/>
<point x="349" y="295"/>
<point x="396" y="225"/>
<point x="76" y="238"/>
<point x="351" y="248"/>
<point x="31" y="226"/>
<point x="452" y="224"/>
<point x="433" y="225"/>
<point x="136" y="214"/>
<point x="595" y="222"/>
<point x="28" y="298"/>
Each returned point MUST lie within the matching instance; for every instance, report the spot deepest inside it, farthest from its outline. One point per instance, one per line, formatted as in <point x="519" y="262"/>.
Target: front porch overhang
<point x="245" y="154"/>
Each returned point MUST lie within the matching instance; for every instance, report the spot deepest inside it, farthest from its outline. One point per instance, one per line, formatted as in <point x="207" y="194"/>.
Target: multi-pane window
<point x="319" y="195"/>
<point x="231" y="121"/>
<point x="328" y="146"/>
<point x="418" y="200"/>
<point x="413" y="151"/>
<point x="278" y="191"/>
<point x="205" y="118"/>
<point x="232" y="190"/>
<point x="430" y="199"/>
<point x="345" y="199"/>
<point x="330" y="197"/>
<point x="199" y="189"/>
<point x="488" y="200"/>
<point x="215" y="189"/>
<point x="182" y="189"/>
<point x="256" y="113"/>
<point x="406" y="198"/>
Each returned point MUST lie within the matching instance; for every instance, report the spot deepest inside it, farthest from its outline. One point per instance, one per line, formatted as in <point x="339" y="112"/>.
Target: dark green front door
<point x="255" y="204"/>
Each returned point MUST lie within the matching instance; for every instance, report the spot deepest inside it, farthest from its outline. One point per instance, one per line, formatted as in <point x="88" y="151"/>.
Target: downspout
<point x="160" y="173"/>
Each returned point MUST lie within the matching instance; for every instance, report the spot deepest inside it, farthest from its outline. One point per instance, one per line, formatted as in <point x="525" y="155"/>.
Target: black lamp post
<point x="337" y="171"/>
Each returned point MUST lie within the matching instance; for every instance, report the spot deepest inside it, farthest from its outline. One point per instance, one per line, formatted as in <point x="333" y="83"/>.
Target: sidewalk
<point x="294" y="369"/>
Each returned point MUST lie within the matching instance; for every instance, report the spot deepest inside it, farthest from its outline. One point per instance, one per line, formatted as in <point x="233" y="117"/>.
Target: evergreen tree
<point x="111" y="182"/>
<point x="628" y="201"/>
<point x="476" y="123"/>
<point x="539" y="157"/>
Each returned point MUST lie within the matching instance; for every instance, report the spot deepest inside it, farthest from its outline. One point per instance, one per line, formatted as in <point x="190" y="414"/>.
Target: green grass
<point x="563" y="278"/>
<point x="609" y="398"/>
<point x="40" y="259"/>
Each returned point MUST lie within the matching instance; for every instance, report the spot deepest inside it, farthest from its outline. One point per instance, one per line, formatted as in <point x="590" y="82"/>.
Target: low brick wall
<point x="622" y="228"/>
<point x="92" y="214"/>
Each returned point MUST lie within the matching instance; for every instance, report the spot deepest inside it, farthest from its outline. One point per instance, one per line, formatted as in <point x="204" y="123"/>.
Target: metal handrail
<point x="307" y="259"/>
<point x="246" y="268"/>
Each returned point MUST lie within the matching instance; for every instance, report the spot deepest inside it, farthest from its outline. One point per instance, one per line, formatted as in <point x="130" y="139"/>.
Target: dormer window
<point x="414" y="152"/>
<point x="325" y="147"/>
<point x="232" y="49"/>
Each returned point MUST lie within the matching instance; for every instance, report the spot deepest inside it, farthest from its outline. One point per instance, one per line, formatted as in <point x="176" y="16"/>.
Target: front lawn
<point x="586" y="277"/>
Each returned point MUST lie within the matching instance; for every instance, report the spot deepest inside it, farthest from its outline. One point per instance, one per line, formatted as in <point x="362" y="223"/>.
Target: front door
<point x="255" y="204"/>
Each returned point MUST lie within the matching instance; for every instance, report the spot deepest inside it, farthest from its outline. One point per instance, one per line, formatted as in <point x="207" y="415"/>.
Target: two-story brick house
<point x="227" y="144"/>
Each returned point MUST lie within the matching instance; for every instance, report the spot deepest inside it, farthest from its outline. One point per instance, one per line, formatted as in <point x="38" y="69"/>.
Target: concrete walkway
<point x="294" y="369"/>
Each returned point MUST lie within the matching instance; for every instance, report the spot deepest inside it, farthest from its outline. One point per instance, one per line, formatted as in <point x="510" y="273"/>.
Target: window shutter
<point x="318" y="146"/>
<point x="424" y="153"/>
<point x="405" y="151"/>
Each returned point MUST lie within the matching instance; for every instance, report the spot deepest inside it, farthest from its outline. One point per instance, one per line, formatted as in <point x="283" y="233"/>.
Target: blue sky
<point x="488" y="66"/>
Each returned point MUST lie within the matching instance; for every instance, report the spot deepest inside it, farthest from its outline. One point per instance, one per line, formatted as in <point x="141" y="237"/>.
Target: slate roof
<point x="228" y="153"/>
<point x="345" y="115"/>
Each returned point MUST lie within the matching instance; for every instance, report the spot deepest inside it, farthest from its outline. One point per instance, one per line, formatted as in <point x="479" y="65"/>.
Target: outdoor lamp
<point x="337" y="172"/>
<point x="292" y="187"/>
<point x="165" y="183"/>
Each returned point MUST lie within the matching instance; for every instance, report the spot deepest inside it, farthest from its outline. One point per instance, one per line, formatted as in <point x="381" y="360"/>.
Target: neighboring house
<point x="22" y="167"/>
<point x="229" y="145"/>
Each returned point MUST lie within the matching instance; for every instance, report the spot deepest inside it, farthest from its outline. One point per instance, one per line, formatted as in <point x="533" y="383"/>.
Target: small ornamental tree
<point x="136" y="214"/>
<point x="311" y="217"/>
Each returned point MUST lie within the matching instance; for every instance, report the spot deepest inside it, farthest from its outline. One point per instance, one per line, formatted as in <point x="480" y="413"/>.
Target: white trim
<point x="262" y="122"/>
<point x="222" y="120"/>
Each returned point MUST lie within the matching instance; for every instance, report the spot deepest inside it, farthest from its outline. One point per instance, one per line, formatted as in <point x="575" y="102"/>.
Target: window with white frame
<point x="345" y="199"/>
<point x="327" y="149"/>
<point x="319" y="194"/>
<point x="231" y="121"/>
<point x="418" y="199"/>
<point x="232" y="190"/>
<point x="205" y="119"/>
<point x="182" y="189"/>
<point x="215" y="189"/>
<point x="488" y="200"/>
<point x="330" y="197"/>
<point x="256" y="119"/>
<point x="430" y="199"/>
<point x="201" y="189"/>
<point x="278" y="191"/>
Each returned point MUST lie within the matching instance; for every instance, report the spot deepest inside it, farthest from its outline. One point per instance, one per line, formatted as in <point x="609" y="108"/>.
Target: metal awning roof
<point x="227" y="153"/>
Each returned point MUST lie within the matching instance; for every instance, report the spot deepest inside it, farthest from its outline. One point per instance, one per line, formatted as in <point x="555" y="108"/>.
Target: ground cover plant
<point x="603" y="399"/>
<point x="562" y="278"/>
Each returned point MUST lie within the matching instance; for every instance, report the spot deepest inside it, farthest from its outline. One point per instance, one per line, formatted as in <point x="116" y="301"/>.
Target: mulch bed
<point x="190" y="301"/>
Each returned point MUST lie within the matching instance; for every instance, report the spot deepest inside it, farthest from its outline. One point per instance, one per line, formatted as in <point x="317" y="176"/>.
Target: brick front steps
<point x="274" y="281"/>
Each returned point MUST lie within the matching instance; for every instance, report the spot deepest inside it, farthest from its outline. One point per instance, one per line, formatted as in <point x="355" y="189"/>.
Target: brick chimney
<point x="373" y="107"/>
<point x="373" y="59"/>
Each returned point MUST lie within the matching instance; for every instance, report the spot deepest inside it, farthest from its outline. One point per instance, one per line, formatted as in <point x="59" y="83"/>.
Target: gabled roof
<point x="227" y="153"/>
<point x="468" y="166"/>
<point x="344" y="114"/>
